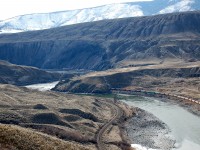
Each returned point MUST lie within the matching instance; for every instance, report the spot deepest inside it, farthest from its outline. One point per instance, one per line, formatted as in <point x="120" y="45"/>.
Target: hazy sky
<point x="11" y="8"/>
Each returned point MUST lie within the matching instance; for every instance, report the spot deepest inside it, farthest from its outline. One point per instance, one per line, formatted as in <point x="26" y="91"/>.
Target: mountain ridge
<point x="191" y="18"/>
<point x="39" y="21"/>
<point x="106" y="44"/>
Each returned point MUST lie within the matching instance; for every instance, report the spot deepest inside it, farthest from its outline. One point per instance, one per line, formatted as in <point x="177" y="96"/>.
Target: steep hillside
<point x="105" y="82"/>
<point x="180" y="78"/>
<point x="106" y="44"/>
<point x="37" y="21"/>
<point x="23" y="75"/>
<point x="14" y="137"/>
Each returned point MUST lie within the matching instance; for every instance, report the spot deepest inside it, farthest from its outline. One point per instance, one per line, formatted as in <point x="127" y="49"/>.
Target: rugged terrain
<point x="107" y="44"/>
<point x="24" y="75"/>
<point x="174" y="78"/>
<point x="64" y="117"/>
<point x="158" y="53"/>
<point x="182" y="78"/>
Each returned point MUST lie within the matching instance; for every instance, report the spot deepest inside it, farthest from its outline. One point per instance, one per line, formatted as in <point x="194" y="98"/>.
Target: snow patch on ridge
<point x="184" y="5"/>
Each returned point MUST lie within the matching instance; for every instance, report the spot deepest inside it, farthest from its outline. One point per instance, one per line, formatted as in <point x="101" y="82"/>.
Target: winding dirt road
<point x="117" y="114"/>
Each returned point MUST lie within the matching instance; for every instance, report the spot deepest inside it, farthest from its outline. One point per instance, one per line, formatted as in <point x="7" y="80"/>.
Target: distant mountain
<point x="107" y="44"/>
<point x="122" y="10"/>
<point x="23" y="75"/>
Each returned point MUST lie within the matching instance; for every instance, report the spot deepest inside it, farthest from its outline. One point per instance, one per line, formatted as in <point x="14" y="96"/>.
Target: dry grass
<point x="67" y="117"/>
<point x="113" y="134"/>
<point x="178" y="78"/>
<point x="167" y="64"/>
<point x="139" y="77"/>
<point x="18" y="138"/>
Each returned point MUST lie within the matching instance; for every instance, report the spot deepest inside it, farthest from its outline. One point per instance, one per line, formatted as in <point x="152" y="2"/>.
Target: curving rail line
<point x="157" y="93"/>
<point x="118" y="113"/>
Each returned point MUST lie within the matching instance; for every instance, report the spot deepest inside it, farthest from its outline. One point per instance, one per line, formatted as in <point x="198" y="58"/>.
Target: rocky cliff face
<point x="106" y="44"/>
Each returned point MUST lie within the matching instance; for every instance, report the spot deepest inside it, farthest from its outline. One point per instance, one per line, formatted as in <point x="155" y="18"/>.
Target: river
<point x="185" y="127"/>
<point x="43" y="86"/>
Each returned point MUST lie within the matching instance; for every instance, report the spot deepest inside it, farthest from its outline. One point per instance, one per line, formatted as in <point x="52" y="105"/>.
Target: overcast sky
<point x="11" y="8"/>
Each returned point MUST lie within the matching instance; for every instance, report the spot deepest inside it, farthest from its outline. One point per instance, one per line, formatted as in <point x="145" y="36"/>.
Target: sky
<point x="12" y="8"/>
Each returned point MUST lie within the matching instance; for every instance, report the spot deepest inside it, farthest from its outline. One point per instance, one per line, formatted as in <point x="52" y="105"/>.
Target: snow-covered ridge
<point x="122" y="10"/>
<point x="184" y="5"/>
<point x="56" y="19"/>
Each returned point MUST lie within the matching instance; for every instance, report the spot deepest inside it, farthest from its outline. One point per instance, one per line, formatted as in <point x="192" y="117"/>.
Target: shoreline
<point x="148" y="131"/>
<point x="161" y="130"/>
<point x="142" y="122"/>
<point x="142" y="130"/>
<point x="158" y="127"/>
<point x="183" y="102"/>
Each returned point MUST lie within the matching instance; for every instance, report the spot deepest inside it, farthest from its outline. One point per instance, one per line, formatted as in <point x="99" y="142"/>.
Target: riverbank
<point x="154" y="125"/>
<point x="191" y="107"/>
<point x="68" y="117"/>
<point x="189" y="104"/>
<point x="182" y="125"/>
<point x="146" y="130"/>
<point x="142" y="128"/>
<point x="42" y="86"/>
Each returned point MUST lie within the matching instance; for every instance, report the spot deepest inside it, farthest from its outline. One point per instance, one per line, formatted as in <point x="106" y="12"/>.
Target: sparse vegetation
<point x="80" y="114"/>
<point x="177" y="78"/>
<point x="17" y="138"/>
<point x="67" y="117"/>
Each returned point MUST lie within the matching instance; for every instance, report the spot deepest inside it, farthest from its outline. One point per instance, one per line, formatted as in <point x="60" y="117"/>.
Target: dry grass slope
<point x="18" y="138"/>
<point x="67" y="117"/>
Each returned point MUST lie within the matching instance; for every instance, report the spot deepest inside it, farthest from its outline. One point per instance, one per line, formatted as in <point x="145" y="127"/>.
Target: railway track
<point x="153" y="93"/>
<point x="118" y="113"/>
